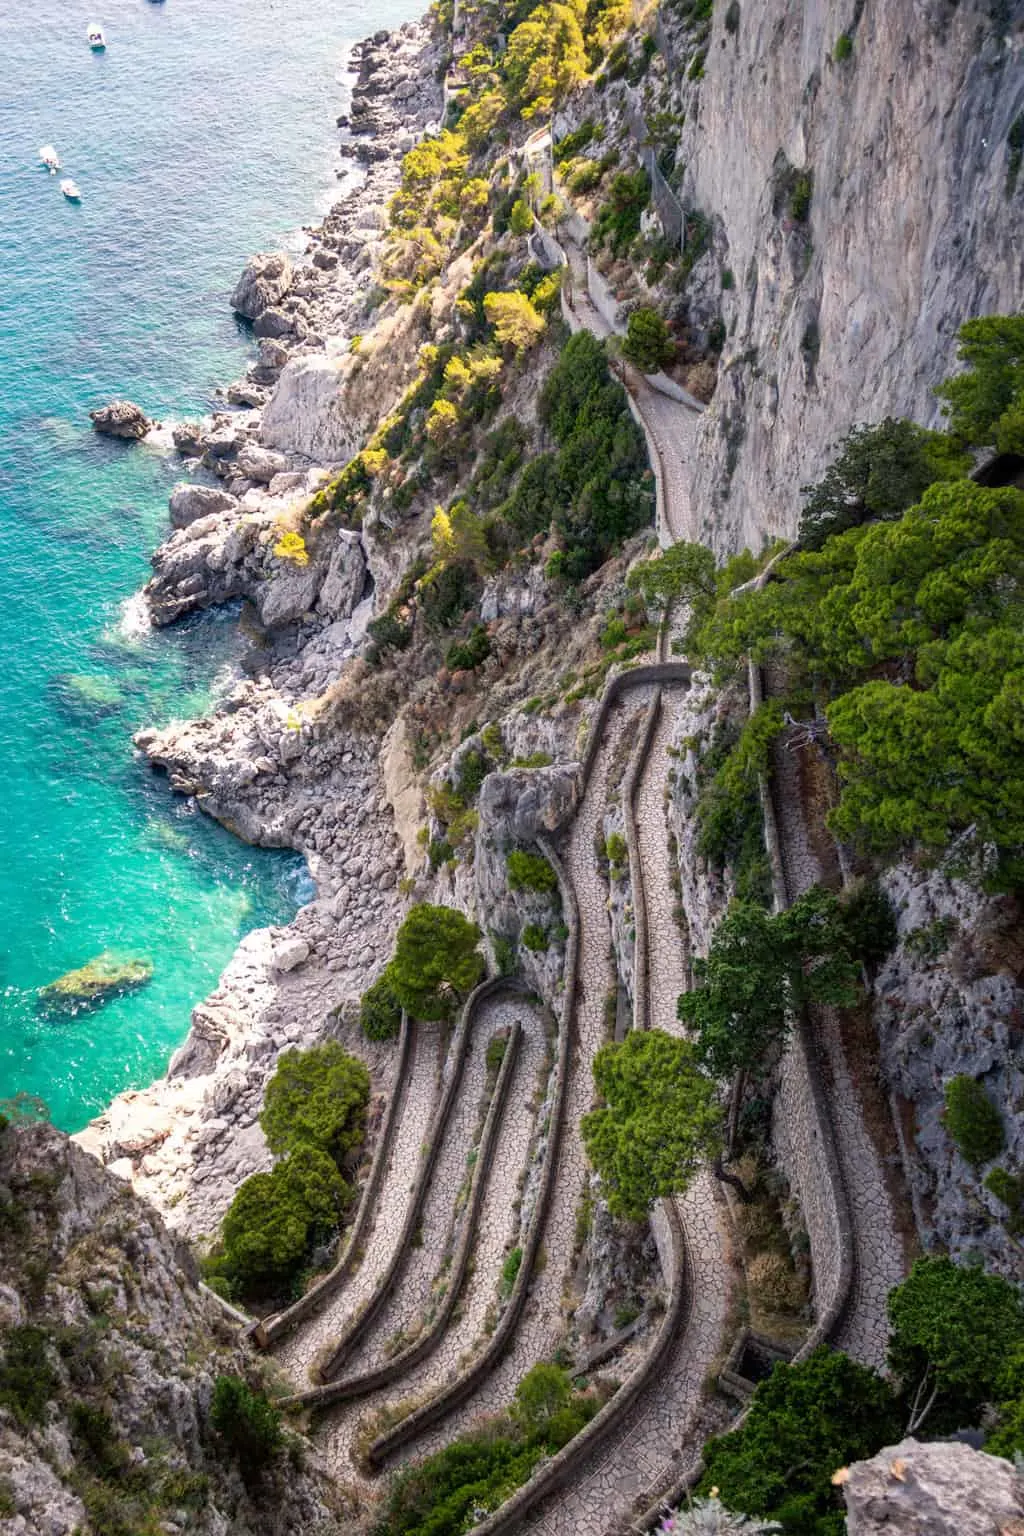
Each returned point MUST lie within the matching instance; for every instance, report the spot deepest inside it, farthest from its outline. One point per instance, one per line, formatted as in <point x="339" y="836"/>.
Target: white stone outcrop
<point x="265" y="280"/>
<point x="940" y="1489"/>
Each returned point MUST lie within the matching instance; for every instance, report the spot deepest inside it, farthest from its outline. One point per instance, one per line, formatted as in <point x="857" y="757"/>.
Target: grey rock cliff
<point x="97" y="1283"/>
<point x="910" y="232"/>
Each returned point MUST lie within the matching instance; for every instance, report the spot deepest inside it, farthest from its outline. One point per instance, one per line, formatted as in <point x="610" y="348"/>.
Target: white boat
<point x="50" y="158"/>
<point x="70" y="190"/>
<point x="94" y="36"/>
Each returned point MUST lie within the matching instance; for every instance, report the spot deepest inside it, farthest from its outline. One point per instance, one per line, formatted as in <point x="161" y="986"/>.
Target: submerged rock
<point x="87" y="696"/>
<point x="122" y="418"/>
<point x="265" y="280"/>
<point x="107" y="976"/>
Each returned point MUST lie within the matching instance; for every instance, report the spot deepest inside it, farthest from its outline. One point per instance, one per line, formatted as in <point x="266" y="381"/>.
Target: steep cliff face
<point x="850" y="314"/>
<point x="108" y="1358"/>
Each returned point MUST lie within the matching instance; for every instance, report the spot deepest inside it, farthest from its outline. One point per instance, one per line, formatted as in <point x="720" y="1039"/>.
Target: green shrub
<point x="436" y="961"/>
<point x="446" y="1493"/>
<point x="274" y="1222"/>
<point x="504" y="954"/>
<point x="617" y="223"/>
<point x="530" y="872"/>
<point x="495" y="1054"/>
<point x="617" y="854"/>
<point x="520" y="220"/>
<point x="1008" y="1437"/>
<point x="596" y="488"/>
<point x="659" y="1124"/>
<point x="533" y="760"/>
<point x="805" y="1421"/>
<point x="467" y="655"/>
<point x="27" y="1380"/>
<point x="544" y="1391"/>
<point x="1009" y="1188"/>
<point x="97" y="1445"/>
<point x="952" y="1329"/>
<point x="535" y="938"/>
<point x="317" y="1098"/>
<point x="473" y="768"/>
<point x="843" y="48"/>
<point x="985" y="401"/>
<point x="509" y="1271"/>
<point x="869" y="922"/>
<point x="648" y="344"/>
<point x="880" y="472"/>
<point x="973" y="1121"/>
<point x="248" y="1425"/>
<point x="761" y="969"/>
<point x="380" y="1012"/>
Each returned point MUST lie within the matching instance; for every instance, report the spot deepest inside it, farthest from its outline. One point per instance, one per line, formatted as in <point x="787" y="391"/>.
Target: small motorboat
<point x="94" y="37"/>
<point x="70" y="190"/>
<point x="50" y="158"/>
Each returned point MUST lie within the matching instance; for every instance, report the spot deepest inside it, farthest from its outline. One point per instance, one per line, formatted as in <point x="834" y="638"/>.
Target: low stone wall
<point x="561" y="1469"/>
<point x="630" y="789"/>
<point x="274" y="1328"/>
<point x="357" y="1325"/>
<point x="384" y="1375"/>
<point x="439" y="1407"/>
<point x="803" y="1125"/>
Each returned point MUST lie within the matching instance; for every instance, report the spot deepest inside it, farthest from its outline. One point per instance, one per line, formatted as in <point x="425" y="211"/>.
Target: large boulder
<point x="189" y="502"/>
<point x="520" y="803"/>
<point x="346" y="575"/>
<point x="121" y="418"/>
<point x="264" y="282"/>
<point x="304" y="415"/>
<point x="106" y="976"/>
<point x="940" y="1489"/>
<point x="261" y="464"/>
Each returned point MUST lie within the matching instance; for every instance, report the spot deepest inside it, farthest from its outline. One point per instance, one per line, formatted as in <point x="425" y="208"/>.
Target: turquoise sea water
<point x="203" y="133"/>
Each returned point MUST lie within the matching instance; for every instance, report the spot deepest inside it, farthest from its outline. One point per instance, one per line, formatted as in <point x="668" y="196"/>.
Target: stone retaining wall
<point x="384" y="1375"/>
<point x="386" y="1284"/>
<point x="431" y="1413"/>
<point x="677" y="1264"/>
<point x="273" y="1328"/>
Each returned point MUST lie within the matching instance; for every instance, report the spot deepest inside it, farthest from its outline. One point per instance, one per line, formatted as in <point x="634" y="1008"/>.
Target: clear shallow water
<point x="204" y="132"/>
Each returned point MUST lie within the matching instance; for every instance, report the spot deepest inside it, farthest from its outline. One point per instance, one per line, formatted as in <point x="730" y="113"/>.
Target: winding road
<point x="650" y="1432"/>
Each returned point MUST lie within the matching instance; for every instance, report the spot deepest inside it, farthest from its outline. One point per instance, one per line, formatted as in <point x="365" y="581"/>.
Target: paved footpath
<point x="543" y="1323"/>
<point x="298" y="1350"/>
<point x="878" y="1246"/>
<point x="655" y="1432"/>
<point x="497" y="1228"/>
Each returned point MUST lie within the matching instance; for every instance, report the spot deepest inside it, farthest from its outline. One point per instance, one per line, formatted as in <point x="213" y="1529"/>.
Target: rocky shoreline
<point x="266" y="764"/>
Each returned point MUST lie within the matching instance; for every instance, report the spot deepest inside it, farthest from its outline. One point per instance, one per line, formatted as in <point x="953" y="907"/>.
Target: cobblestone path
<point x="654" y="1434"/>
<point x="297" y="1352"/>
<point x="879" y="1255"/>
<point x="497" y="1229"/>
<point x="543" y="1322"/>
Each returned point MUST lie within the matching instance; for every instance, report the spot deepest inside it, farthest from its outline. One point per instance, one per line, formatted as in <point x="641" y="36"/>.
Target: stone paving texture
<point x="497" y="1230"/>
<point x="660" y="1430"/>
<point x="298" y="1351"/>
<point x="878" y="1247"/>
